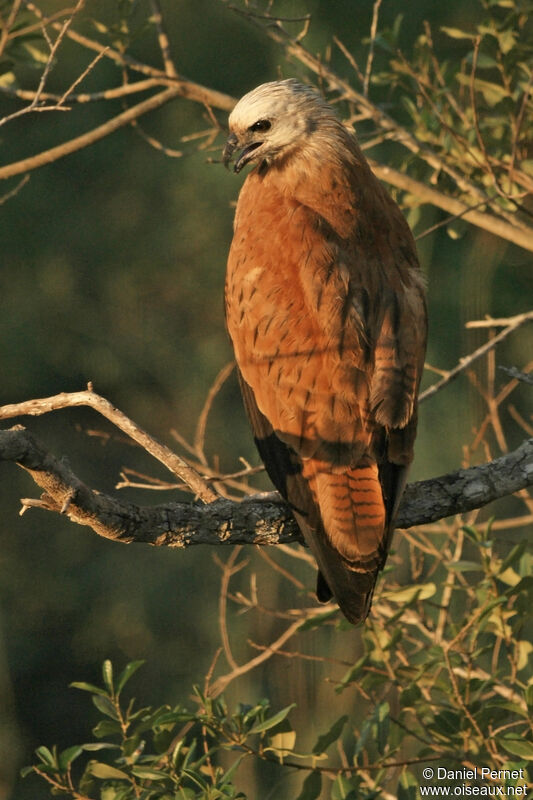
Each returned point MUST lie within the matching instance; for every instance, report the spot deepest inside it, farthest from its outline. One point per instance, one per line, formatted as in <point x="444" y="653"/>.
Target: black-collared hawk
<point x="326" y="312"/>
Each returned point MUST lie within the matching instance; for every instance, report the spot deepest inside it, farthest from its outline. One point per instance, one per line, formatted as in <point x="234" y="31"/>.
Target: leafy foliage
<point x="166" y="752"/>
<point x="443" y="678"/>
<point x="474" y="109"/>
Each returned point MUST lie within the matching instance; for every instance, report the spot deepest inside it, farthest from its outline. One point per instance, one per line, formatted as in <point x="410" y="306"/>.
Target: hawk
<point x="325" y="308"/>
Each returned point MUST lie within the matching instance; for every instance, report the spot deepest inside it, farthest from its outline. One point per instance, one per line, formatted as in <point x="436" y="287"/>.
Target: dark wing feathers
<point x="353" y="589"/>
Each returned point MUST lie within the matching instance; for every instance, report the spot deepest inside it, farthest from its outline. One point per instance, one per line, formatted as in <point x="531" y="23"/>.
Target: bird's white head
<point x="273" y="121"/>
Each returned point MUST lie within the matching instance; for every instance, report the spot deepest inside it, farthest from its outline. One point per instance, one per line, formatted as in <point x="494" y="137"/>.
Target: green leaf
<point x="465" y="566"/>
<point x="312" y="787"/>
<point x="163" y="739"/>
<point x="38" y="55"/>
<point x="456" y="33"/>
<point x="67" y="757"/>
<point x="513" y="556"/>
<point x="272" y="721"/>
<point x="7" y="79"/>
<point x="509" y="577"/>
<point x="88" y="687"/>
<point x="326" y="739"/>
<point x="107" y="674"/>
<point x="410" y="696"/>
<point x="25" y="771"/>
<point x="105" y="771"/>
<point x="352" y="674"/>
<point x="506" y="40"/>
<point x="344" y="788"/>
<point x="455" y="231"/>
<point x="106" y="727"/>
<point x="110" y="792"/>
<point x="492" y="92"/>
<point x="149" y="774"/>
<point x="282" y="743"/>
<point x="473" y="533"/>
<point x="407" y="786"/>
<point x="518" y="747"/>
<point x="524" y="648"/>
<point x="46" y="756"/>
<point x="105" y="705"/>
<point x="317" y="620"/>
<point x="410" y="593"/>
<point x="484" y="61"/>
<point x="99" y="746"/>
<point x="383" y="725"/>
<point x="126" y="674"/>
<point x="447" y="723"/>
<point x="361" y="742"/>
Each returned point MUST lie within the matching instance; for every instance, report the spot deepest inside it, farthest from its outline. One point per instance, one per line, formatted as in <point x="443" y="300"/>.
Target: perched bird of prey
<point x="325" y="308"/>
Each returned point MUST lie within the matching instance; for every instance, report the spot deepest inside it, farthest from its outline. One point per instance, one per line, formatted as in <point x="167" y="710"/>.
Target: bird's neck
<point x="325" y="176"/>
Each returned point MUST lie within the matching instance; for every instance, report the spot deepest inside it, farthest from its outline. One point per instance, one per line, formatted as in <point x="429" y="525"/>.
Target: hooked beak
<point x="244" y="156"/>
<point x="229" y="149"/>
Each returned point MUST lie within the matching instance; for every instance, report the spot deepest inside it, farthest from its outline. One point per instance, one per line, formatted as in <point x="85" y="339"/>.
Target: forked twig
<point x="171" y="461"/>
<point x="467" y="361"/>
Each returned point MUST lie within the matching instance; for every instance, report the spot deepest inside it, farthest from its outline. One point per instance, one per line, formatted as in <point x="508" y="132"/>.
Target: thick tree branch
<point x="255" y="520"/>
<point x="481" y="219"/>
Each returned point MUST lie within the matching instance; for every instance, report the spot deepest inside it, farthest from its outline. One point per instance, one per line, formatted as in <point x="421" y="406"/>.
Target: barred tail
<point x="352" y="510"/>
<point x="353" y="519"/>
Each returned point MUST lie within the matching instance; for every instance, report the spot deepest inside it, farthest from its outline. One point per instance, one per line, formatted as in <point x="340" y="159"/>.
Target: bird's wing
<point x="352" y="589"/>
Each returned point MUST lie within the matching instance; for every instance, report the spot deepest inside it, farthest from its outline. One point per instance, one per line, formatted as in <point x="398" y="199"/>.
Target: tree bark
<point x="259" y="519"/>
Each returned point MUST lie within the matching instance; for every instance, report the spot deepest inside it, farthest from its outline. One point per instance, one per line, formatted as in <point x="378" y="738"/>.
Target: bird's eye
<point x="260" y="125"/>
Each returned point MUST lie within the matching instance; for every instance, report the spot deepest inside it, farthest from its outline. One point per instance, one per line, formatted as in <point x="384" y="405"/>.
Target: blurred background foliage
<point x="113" y="271"/>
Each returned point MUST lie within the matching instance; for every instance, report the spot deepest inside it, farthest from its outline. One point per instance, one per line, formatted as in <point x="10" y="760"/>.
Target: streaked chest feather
<point x="286" y="277"/>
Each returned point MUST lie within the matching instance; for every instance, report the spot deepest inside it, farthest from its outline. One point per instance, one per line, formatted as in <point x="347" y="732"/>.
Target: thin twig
<point x="155" y="143"/>
<point x="114" y="93"/>
<point x="350" y="58"/>
<point x="497" y="322"/>
<point x="199" y="436"/>
<point x="15" y="190"/>
<point x="164" y="44"/>
<point x="501" y="396"/>
<point x="467" y="361"/>
<point x="86" y="139"/>
<point x="281" y="570"/>
<point x="171" y="461"/>
<point x="370" y="58"/>
<point x="228" y="570"/>
<point x="54" y="46"/>
<point x="89" y="68"/>
<point x="5" y="33"/>
<point x="449" y="219"/>
<point x="59" y="38"/>
<point x="221" y="683"/>
<point x="519" y="418"/>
